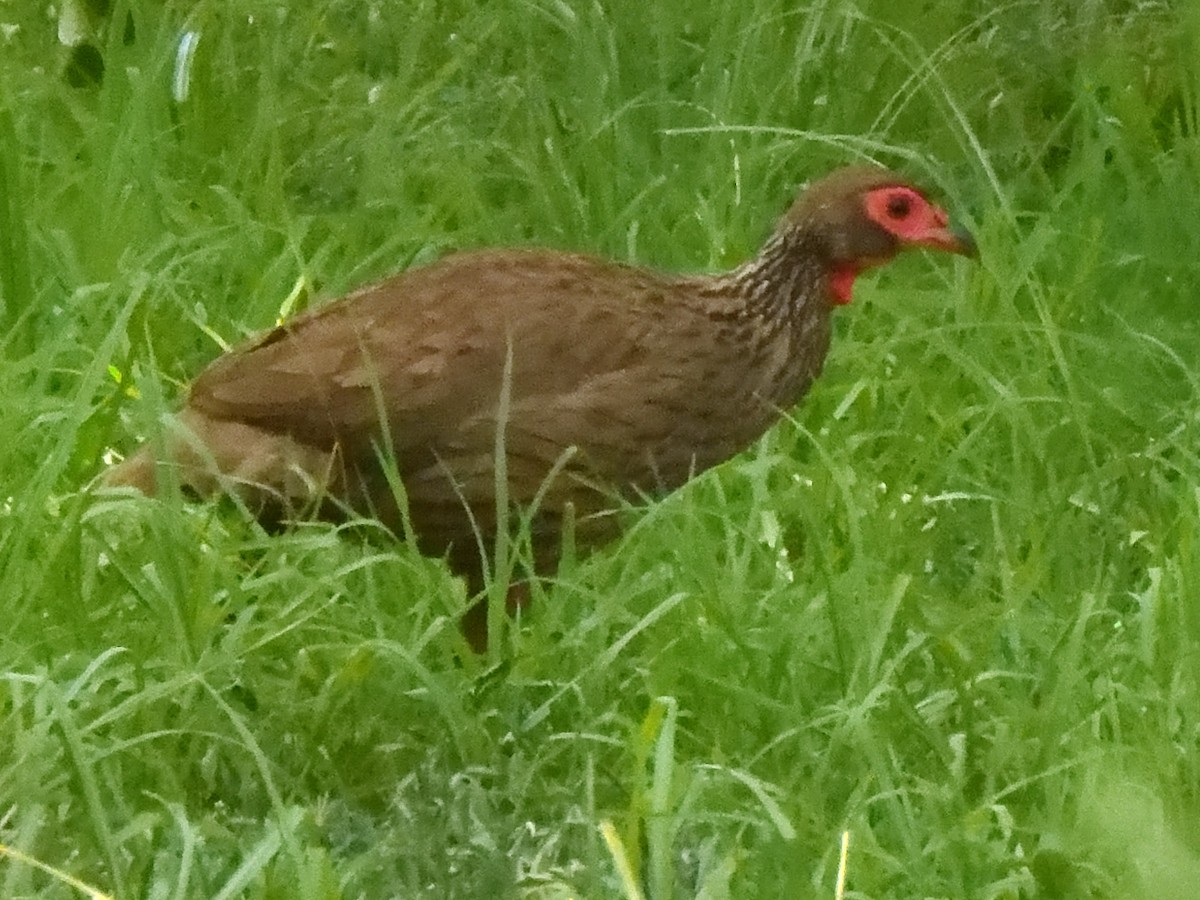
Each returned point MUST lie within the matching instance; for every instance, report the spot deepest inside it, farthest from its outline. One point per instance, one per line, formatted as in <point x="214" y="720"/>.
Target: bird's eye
<point x="898" y="206"/>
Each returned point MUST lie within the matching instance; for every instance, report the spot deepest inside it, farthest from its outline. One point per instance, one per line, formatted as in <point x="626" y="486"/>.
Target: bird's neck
<point x="787" y="281"/>
<point x="776" y="310"/>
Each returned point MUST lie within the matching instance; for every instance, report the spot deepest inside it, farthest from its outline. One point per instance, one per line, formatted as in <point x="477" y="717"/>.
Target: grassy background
<point x="951" y="605"/>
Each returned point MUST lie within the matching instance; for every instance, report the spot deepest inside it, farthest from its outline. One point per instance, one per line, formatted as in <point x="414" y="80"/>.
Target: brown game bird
<point x="591" y="379"/>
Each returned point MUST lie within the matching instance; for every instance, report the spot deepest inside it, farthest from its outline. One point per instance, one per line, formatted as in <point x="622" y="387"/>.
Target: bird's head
<point x="860" y="217"/>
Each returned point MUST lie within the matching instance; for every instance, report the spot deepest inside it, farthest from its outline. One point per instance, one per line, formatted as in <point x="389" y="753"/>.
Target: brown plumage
<point x="610" y="379"/>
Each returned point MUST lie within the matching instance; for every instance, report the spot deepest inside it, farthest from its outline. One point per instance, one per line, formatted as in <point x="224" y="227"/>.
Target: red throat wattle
<point x="841" y="283"/>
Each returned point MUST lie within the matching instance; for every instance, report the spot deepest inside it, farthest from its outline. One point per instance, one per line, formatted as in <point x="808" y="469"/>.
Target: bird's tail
<point x="137" y="471"/>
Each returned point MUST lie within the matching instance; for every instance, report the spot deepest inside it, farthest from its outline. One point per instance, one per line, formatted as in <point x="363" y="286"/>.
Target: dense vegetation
<point x="950" y="606"/>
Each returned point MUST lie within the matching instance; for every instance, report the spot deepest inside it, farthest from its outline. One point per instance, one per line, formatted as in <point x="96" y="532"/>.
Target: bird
<point x="447" y="399"/>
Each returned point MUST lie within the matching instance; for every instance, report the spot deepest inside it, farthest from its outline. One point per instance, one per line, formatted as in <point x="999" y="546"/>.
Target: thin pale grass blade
<point x="843" y="860"/>
<point x="620" y="859"/>
<point x="660" y="827"/>
<point x="86" y="889"/>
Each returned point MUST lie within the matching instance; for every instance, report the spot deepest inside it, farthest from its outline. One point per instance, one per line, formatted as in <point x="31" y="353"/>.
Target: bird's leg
<point x="545" y="552"/>
<point x="474" y="622"/>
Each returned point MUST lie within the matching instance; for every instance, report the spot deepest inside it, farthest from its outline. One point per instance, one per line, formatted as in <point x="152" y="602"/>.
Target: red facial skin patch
<point x="913" y="220"/>
<point x="905" y="213"/>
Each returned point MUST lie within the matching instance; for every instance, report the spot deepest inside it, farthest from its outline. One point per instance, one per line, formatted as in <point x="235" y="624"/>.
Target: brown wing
<point x="429" y="347"/>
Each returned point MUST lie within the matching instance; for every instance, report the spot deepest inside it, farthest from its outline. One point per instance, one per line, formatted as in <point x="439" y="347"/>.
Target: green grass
<point x="950" y="604"/>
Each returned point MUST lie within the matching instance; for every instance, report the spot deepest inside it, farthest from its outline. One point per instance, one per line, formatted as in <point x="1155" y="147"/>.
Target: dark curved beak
<point x="951" y="238"/>
<point x="962" y="241"/>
